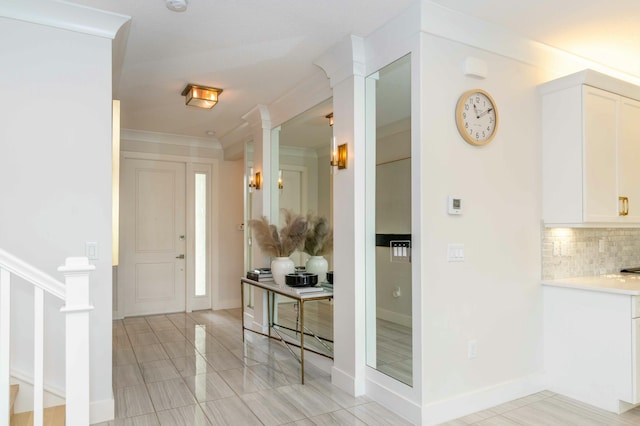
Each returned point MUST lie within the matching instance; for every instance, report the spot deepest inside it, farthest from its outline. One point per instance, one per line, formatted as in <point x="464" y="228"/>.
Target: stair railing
<point x="75" y="293"/>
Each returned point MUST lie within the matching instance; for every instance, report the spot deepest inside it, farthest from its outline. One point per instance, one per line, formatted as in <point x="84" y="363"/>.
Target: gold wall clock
<point x="477" y="117"/>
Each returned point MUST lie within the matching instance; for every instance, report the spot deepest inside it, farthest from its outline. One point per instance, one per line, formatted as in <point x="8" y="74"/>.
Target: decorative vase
<point x="318" y="265"/>
<point x="280" y="267"/>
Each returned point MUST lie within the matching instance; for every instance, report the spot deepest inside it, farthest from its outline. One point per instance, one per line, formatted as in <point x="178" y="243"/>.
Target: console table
<point x="272" y="288"/>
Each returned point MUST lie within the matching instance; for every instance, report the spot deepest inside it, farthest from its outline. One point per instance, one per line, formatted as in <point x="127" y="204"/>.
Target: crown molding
<point x="65" y="15"/>
<point x="169" y="139"/>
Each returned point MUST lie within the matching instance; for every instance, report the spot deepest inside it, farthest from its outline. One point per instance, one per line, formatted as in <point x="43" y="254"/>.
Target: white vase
<point x="280" y="267"/>
<point x="318" y="265"/>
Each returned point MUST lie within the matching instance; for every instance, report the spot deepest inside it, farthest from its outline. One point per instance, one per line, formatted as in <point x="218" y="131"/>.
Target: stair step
<point x="13" y="393"/>
<point x="53" y="416"/>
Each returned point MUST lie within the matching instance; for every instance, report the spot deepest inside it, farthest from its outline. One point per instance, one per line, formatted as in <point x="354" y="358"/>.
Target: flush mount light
<point x="201" y="96"/>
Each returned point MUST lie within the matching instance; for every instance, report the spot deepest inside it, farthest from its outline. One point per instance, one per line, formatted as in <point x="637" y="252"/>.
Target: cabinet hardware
<point x="623" y="206"/>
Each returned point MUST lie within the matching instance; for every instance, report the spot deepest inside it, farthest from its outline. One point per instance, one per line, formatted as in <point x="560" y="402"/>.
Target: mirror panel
<point x="389" y="275"/>
<point x="302" y="149"/>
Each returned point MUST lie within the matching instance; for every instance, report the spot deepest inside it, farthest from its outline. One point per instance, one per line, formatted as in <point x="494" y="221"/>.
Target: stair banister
<point x="77" y="309"/>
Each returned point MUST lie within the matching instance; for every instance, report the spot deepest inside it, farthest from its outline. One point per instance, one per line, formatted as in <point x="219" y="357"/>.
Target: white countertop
<point x="608" y="283"/>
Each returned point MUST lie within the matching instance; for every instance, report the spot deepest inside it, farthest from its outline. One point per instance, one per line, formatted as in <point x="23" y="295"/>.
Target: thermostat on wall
<point x="454" y="205"/>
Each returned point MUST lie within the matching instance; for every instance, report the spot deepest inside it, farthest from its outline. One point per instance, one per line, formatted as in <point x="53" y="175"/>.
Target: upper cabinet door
<point x="629" y="156"/>
<point x="599" y="156"/>
<point x="590" y="157"/>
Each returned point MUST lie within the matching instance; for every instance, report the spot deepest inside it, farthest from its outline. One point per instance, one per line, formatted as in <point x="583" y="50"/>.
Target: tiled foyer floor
<point x="193" y="369"/>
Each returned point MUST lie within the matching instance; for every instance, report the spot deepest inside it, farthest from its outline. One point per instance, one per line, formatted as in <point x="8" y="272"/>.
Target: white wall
<point x="494" y="296"/>
<point x="55" y="176"/>
<point x="231" y="240"/>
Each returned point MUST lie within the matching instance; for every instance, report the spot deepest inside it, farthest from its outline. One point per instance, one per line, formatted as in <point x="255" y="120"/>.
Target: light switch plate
<point x="91" y="250"/>
<point x="455" y="252"/>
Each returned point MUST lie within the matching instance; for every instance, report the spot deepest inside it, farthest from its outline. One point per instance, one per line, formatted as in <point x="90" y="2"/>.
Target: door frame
<point x="192" y="165"/>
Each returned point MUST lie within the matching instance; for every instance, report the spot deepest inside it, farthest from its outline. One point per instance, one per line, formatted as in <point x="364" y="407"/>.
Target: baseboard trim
<point x="462" y="405"/>
<point x="394" y="317"/>
<point x="102" y="411"/>
<point x="347" y="382"/>
<point x="392" y="399"/>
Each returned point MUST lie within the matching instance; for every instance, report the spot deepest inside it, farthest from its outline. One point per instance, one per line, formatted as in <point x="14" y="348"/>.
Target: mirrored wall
<point x="389" y="276"/>
<point x="301" y="163"/>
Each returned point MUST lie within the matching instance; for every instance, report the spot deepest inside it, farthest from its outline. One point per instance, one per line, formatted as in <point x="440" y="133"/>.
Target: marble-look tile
<point x="190" y="415"/>
<point x="156" y="371"/>
<point x="138" y="327"/>
<point x="169" y="335"/>
<point x="126" y="376"/>
<point x="374" y="414"/>
<point x="303" y="422"/>
<point x="150" y="353"/>
<point x="121" y="341"/>
<point x="124" y="356"/>
<point x="340" y="417"/>
<point x="274" y="375"/>
<point x="170" y="394"/>
<point x="336" y="394"/>
<point x="179" y="348"/>
<point x="192" y="365"/>
<point x="243" y="380"/>
<point x="144" y="420"/>
<point x="141" y="339"/>
<point x="546" y="413"/>
<point x="308" y="400"/>
<point x="223" y="360"/>
<point x="497" y="421"/>
<point x="479" y="416"/>
<point x="229" y="411"/>
<point x="271" y="409"/>
<point x="132" y="401"/>
<point x="207" y="387"/>
<point x="208" y="344"/>
<point x="251" y="356"/>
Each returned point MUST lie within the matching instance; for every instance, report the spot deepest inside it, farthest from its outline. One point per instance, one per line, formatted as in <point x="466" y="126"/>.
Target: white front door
<point x="152" y="238"/>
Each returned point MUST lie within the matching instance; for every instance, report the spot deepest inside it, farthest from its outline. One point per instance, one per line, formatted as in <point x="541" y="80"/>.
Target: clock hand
<point x="476" y="110"/>
<point x="485" y="112"/>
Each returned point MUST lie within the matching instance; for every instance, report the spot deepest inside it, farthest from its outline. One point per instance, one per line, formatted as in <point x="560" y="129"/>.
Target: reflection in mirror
<point x="248" y="214"/>
<point x="388" y="157"/>
<point x="302" y="145"/>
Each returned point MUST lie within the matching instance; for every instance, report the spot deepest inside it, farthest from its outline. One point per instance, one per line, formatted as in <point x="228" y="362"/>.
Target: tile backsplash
<point x="574" y="252"/>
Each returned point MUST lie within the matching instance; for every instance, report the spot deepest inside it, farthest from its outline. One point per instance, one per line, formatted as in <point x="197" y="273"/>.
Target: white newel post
<point x="77" y="309"/>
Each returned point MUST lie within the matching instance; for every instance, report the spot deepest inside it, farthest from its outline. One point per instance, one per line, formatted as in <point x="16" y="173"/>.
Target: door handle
<point x="623" y="209"/>
<point x="180" y="256"/>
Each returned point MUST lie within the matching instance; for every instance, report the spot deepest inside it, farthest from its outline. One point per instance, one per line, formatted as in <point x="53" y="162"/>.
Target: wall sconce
<point x="255" y="181"/>
<point x="201" y="96"/>
<point x="280" y="184"/>
<point x="339" y="155"/>
<point x="330" y="117"/>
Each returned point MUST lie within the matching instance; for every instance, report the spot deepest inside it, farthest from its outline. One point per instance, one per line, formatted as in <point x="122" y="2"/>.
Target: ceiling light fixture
<point x="177" y="5"/>
<point x="201" y="96"/>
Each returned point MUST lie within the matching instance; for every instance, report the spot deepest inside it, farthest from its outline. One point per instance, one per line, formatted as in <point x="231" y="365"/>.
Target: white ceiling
<point x="257" y="50"/>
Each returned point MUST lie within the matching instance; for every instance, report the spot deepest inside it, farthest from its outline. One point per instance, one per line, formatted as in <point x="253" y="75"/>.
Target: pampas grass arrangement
<point x="319" y="238"/>
<point x="284" y="242"/>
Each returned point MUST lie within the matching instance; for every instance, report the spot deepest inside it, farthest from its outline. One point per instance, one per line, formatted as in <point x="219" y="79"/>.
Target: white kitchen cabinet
<point x="592" y="345"/>
<point x="590" y="151"/>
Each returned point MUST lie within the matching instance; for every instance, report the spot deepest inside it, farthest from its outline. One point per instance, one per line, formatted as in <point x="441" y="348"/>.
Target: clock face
<point x="476" y="117"/>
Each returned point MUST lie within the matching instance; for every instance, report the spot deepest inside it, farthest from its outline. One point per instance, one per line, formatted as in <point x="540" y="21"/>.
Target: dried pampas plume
<point x="319" y="239"/>
<point x="280" y="243"/>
